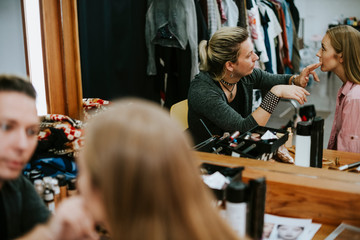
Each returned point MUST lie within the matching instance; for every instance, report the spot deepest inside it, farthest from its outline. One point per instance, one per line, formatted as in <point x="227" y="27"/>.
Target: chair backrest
<point x="179" y="111"/>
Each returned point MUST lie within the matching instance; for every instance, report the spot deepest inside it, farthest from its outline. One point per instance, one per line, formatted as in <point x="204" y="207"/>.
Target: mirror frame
<point x="61" y="57"/>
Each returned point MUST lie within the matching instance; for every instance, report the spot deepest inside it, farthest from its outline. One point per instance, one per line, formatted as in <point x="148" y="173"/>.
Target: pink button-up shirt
<point x="345" y="132"/>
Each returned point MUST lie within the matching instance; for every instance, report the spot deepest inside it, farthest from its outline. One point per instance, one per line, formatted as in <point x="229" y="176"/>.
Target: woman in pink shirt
<point x="340" y="54"/>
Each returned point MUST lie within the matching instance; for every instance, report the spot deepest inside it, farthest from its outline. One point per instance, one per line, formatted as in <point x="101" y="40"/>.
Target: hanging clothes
<point x="255" y="30"/>
<point x="204" y="10"/>
<point x="170" y="23"/>
<point x="285" y="50"/>
<point x="175" y="70"/>
<point x="295" y="59"/>
<point x="232" y="13"/>
<point x="278" y="41"/>
<point x="295" y="18"/>
<point x="288" y="32"/>
<point x="265" y="24"/>
<point x="294" y="14"/>
<point x="242" y="13"/>
<point x="274" y="30"/>
<point x="223" y="17"/>
<point x="203" y="33"/>
<point x="214" y="19"/>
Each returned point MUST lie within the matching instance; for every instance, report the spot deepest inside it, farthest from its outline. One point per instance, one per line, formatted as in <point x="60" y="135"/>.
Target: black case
<point x="261" y="149"/>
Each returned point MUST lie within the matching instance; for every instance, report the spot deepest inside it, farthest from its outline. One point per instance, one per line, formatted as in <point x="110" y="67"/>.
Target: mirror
<point x="20" y="44"/>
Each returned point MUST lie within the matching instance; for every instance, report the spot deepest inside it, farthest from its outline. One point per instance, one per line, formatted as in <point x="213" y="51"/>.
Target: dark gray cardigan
<point x="208" y="102"/>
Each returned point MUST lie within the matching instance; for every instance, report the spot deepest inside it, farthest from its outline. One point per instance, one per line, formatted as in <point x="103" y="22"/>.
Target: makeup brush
<point x="347" y="166"/>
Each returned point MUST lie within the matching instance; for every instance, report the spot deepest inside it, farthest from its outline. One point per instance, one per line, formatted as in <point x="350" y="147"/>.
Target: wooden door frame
<point x="61" y="53"/>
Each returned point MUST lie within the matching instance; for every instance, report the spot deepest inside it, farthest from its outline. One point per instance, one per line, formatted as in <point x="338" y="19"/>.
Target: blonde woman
<point x="340" y="54"/>
<point x="221" y="94"/>
<point x="141" y="180"/>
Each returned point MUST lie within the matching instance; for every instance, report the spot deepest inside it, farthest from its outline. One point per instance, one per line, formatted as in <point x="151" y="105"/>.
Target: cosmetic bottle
<point x="71" y="188"/>
<point x="34" y="175"/>
<point x="47" y="182"/>
<point x="257" y="197"/>
<point x="220" y="201"/>
<point x="317" y="138"/>
<point x="288" y="142"/>
<point x="49" y="200"/>
<point x="62" y="185"/>
<point x="303" y="144"/>
<point x="234" y="135"/>
<point x="39" y="187"/>
<point x="236" y="206"/>
<point x="56" y="191"/>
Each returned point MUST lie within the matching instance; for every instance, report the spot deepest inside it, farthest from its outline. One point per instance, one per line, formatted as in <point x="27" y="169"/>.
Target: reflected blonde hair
<point x="346" y="40"/>
<point x="223" y="46"/>
<point x="141" y="163"/>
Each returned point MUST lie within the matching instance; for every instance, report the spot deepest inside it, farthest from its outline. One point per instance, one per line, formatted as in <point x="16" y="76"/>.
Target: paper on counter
<point x="272" y="224"/>
<point x="216" y="180"/>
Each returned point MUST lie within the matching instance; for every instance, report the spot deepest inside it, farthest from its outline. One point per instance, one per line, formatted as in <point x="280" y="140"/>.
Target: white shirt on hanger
<point x="231" y="11"/>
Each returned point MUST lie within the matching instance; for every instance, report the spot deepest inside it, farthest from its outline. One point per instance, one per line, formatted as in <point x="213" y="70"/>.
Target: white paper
<point x="268" y="135"/>
<point x="279" y="228"/>
<point x="216" y="180"/>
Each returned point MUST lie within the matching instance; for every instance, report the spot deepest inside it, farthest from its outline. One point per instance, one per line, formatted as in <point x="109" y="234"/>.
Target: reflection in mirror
<point x="14" y="53"/>
<point x="34" y="51"/>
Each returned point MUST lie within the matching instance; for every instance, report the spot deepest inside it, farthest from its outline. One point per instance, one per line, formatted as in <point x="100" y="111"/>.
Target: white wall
<point x="318" y="14"/>
<point x="12" y="53"/>
<point x="12" y="47"/>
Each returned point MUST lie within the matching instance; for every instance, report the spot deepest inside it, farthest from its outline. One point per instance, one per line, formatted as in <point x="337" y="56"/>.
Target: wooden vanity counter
<point x="329" y="197"/>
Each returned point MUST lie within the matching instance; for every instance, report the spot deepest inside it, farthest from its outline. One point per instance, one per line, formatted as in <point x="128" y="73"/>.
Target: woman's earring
<point x="231" y="75"/>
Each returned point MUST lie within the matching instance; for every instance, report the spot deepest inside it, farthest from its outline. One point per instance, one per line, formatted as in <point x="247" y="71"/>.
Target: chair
<point x="179" y="112"/>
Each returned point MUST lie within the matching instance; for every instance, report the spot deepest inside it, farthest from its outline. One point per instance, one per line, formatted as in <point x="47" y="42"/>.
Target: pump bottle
<point x="303" y="144"/>
<point x="236" y="206"/>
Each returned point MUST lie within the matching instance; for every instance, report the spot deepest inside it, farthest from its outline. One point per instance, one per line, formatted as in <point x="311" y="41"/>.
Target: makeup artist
<point x="221" y="94"/>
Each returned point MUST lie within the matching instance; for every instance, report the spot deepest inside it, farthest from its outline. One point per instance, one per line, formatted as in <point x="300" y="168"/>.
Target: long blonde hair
<point x="141" y="163"/>
<point x="223" y="46"/>
<point x="346" y="40"/>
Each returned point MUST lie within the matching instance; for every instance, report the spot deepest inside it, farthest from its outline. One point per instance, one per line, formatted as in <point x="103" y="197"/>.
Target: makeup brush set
<point x="257" y="143"/>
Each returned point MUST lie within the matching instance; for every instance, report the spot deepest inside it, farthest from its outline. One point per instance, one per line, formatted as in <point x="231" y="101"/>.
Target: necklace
<point x="229" y="84"/>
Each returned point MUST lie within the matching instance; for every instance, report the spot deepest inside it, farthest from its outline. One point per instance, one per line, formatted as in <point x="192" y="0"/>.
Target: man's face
<point x="19" y="127"/>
